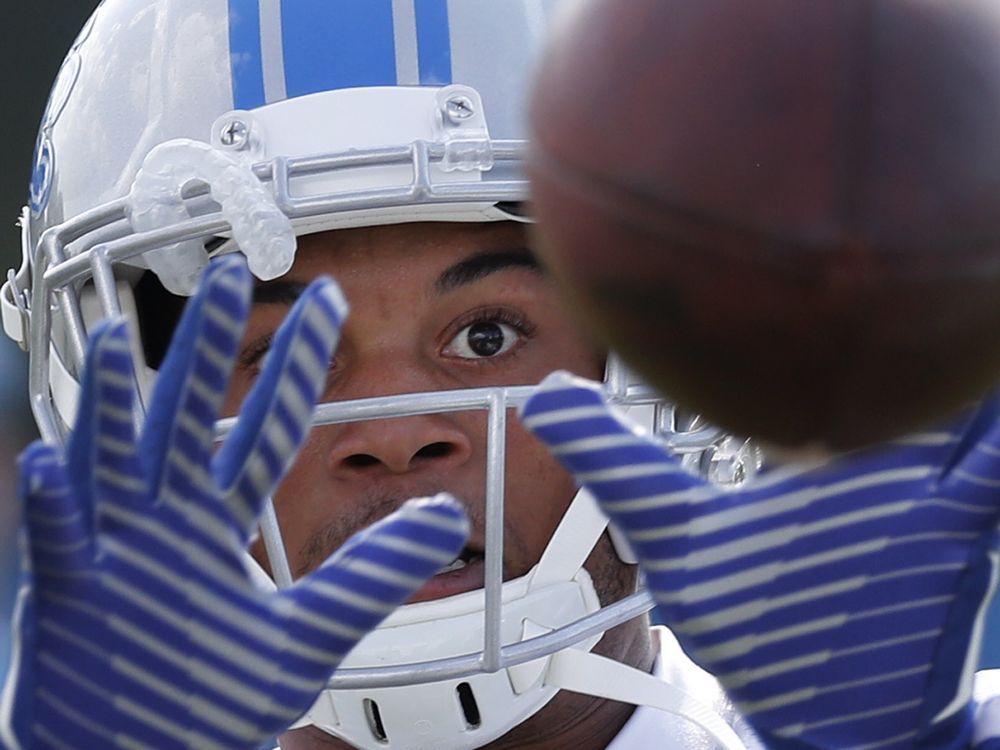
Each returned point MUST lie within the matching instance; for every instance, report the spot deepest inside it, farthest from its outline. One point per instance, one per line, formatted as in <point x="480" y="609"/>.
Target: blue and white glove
<point x="839" y="604"/>
<point x="138" y="625"/>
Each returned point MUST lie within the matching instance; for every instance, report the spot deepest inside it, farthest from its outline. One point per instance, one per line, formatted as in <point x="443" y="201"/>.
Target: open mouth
<point x="465" y="558"/>
<point x="465" y="573"/>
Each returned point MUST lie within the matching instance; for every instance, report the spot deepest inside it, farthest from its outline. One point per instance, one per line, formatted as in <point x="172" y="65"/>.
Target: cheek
<point x="236" y="391"/>
<point x="538" y="489"/>
<point x="304" y="473"/>
<point x="301" y="501"/>
<point x="566" y="346"/>
<point x="308" y="475"/>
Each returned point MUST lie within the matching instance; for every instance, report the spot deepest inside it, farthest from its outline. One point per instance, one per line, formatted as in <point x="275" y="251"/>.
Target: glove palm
<point x="837" y="603"/>
<point x="139" y="626"/>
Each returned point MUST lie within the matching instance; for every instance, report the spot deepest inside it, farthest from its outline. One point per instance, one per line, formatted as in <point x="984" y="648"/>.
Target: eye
<point x="485" y="338"/>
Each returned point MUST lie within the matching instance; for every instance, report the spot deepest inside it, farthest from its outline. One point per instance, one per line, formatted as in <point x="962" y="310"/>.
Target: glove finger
<point x="178" y="440"/>
<point x="118" y="484"/>
<point x="275" y="416"/>
<point x="60" y="541"/>
<point x="638" y="483"/>
<point x="108" y="365"/>
<point x="377" y="570"/>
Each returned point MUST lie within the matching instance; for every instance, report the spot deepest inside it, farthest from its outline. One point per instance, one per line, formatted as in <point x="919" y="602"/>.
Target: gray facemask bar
<point x="496" y="401"/>
<point x="102" y="238"/>
<point x="621" y="388"/>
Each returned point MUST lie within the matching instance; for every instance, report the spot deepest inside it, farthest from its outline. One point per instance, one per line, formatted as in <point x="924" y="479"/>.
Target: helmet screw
<point x="458" y="108"/>
<point x="234" y="134"/>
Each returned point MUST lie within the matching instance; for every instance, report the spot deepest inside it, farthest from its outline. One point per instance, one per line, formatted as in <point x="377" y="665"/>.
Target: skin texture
<point x="408" y="332"/>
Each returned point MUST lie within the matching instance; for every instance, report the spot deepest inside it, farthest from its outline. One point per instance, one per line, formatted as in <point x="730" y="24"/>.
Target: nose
<point x="399" y="445"/>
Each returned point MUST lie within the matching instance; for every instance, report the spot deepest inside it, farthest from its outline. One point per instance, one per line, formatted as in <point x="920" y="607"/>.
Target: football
<point x="783" y="213"/>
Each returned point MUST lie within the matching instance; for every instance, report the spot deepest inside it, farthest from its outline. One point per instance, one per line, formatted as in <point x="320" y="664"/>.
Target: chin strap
<point x="588" y="673"/>
<point x="574" y="539"/>
<point x="535" y="682"/>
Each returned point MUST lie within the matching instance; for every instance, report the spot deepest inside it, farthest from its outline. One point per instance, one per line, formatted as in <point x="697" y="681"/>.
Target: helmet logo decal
<point x="41" y="174"/>
<point x="43" y="162"/>
<point x="65" y="82"/>
<point x="285" y="50"/>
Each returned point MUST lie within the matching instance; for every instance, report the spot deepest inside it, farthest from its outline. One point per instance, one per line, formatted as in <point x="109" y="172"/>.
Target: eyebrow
<point x="482" y="264"/>
<point x="473" y="268"/>
<point x="278" y="292"/>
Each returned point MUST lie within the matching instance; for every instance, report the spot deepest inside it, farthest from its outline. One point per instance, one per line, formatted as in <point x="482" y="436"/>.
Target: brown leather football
<point x="784" y="213"/>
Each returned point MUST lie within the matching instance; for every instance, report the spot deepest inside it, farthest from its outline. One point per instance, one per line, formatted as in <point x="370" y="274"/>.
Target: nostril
<point x="435" y="450"/>
<point x="360" y="460"/>
<point x="397" y="449"/>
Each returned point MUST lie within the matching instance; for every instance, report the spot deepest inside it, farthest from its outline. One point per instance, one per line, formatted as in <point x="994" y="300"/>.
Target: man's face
<point x="433" y="307"/>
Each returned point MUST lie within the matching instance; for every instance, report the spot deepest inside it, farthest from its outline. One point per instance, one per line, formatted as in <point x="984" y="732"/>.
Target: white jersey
<point x="986" y="696"/>
<point x="651" y="727"/>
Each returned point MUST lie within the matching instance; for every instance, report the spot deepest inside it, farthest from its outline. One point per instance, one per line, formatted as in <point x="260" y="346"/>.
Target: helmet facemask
<point x="329" y="160"/>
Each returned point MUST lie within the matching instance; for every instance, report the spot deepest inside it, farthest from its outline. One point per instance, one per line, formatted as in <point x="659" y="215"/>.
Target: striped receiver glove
<point x="138" y="625"/>
<point x="839" y="604"/>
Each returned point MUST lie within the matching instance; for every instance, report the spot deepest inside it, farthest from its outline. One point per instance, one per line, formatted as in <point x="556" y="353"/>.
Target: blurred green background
<point x="33" y="40"/>
<point x="34" y="37"/>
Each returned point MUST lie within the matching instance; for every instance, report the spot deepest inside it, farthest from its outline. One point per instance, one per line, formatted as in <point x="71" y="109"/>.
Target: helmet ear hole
<point x="470" y="708"/>
<point x="158" y="312"/>
<point x="375" y="721"/>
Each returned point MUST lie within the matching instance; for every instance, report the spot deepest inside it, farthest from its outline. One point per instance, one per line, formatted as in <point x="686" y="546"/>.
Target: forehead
<point x="408" y="250"/>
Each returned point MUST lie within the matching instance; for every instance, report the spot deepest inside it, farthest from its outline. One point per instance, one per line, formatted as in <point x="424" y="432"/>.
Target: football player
<point x="202" y="173"/>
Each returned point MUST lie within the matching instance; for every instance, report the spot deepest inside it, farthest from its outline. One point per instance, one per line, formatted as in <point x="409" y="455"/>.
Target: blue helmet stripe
<point x="342" y="44"/>
<point x="245" y="54"/>
<point x="305" y="46"/>
<point x="433" y="42"/>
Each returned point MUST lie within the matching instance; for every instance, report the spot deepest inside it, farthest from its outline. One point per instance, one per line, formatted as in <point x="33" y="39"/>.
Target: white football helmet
<point x="182" y="128"/>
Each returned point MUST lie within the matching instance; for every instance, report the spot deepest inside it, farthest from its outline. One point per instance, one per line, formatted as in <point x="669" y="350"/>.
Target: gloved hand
<point x="138" y="625"/>
<point x="840" y="604"/>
